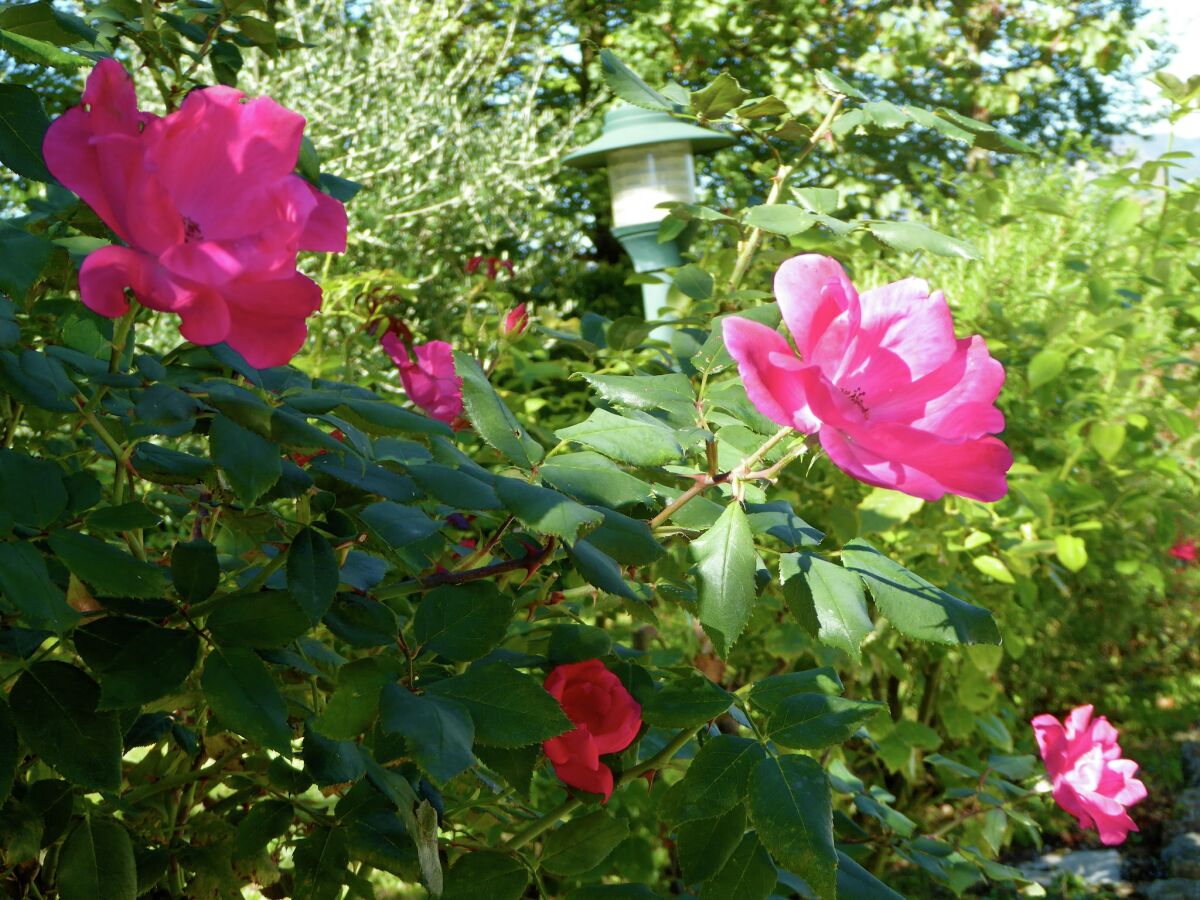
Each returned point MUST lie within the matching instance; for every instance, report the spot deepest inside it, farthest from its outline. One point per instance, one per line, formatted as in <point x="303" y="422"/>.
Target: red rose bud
<point x="606" y="719"/>
<point x="472" y="264"/>
<point x="515" y="322"/>
<point x="1185" y="551"/>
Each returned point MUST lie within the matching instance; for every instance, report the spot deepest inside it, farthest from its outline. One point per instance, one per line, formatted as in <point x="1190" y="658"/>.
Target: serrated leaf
<point x="136" y="661"/>
<point x="252" y="463"/>
<point x="721" y="95"/>
<point x="592" y="478"/>
<point x="23" y="125"/>
<point x="686" y="702"/>
<point x="600" y="570"/>
<point x="629" y="86"/>
<point x="25" y="583"/>
<point x="312" y="573"/>
<point x="492" y="419"/>
<point x="109" y="571"/>
<point x="54" y="707"/>
<point x="791" y="808"/>
<point x="827" y="600"/>
<point x="814" y="721"/>
<point x="485" y="873"/>
<point x="545" y="511"/>
<point x="97" y="861"/>
<point x="913" y="237"/>
<point x="354" y="703"/>
<point x="438" y="731"/>
<point x="462" y="622"/>
<point x="265" y="821"/>
<point x="629" y="541"/>
<point x="631" y="441"/>
<point x="320" y="862"/>
<point x="195" y="570"/>
<point x="704" y="845"/>
<point x="715" y="781"/>
<point x="916" y="607"/>
<point x="260" y="619"/>
<point x="582" y="844"/>
<point x="509" y="709"/>
<point x="837" y="85"/>
<point x="779" y="219"/>
<point x="694" y="281"/>
<point x="748" y="874"/>
<point x="242" y="693"/>
<point x="724" y="557"/>
<point x="768" y="693"/>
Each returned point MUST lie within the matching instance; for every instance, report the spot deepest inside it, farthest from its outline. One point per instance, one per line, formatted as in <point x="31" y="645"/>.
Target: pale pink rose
<point x="430" y="380"/>
<point x="207" y="203"/>
<point x="1091" y="781"/>
<point x="516" y="321"/>
<point x="894" y="398"/>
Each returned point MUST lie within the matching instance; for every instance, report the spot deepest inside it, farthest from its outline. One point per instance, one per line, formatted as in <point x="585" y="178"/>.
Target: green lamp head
<point x="649" y="159"/>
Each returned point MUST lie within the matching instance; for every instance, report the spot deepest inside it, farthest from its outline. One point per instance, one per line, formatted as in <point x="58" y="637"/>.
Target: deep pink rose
<point x="896" y="400"/>
<point x="207" y="203"/>
<point x="1184" y="551"/>
<point x="430" y="381"/>
<point x="1091" y="781"/>
<point x="606" y="719"/>
<point x="516" y="321"/>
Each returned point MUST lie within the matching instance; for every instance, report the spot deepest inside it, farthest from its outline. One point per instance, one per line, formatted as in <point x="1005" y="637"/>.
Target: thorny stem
<point x="751" y="244"/>
<point x="538" y="826"/>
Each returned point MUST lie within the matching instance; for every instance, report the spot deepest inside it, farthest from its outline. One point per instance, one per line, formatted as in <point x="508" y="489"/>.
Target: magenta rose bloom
<point x="895" y="399"/>
<point x="207" y="204"/>
<point x="606" y="719"/>
<point x="1184" y="551"/>
<point x="429" y="380"/>
<point x="1091" y="781"/>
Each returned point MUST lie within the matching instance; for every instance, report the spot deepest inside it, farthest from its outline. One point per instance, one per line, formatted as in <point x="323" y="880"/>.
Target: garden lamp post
<point x="649" y="159"/>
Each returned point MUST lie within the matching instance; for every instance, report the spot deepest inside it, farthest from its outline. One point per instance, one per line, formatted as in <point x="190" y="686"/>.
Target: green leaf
<point x="768" y="693"/>
<point x="195" y="571"/>
<point x="31" y="489"/>
<point x="39" y="53"/>
<point x="252" y="463"/>
<point x="628" y="85"/>
<point x="779" y="219"/>
<point x="463" y="622"/>
<point x="136" y="661"/>
<point x="885" y="116"/>
<point x="163" y="466"/>
<point x="54" y="707"/>
<point x="836" y="85"/>
<point x="629" y="541"/>
<point x="686" y="702"/>
<point x="485" y="873"/>
<point x="259" y="619"/>
<point x="545" y="511"/>
<point x="748" y="874"/>
<point x="492" y="419"/>
<point x="23" y="256"/>
<point x="761" y="107"/>
<point x="724" y="557"/>
<point x="97" y="861"/>
<point x="592" y="478"/>
<point x="26" y="584"/>
<point x="109" y="571"/>
<point x="705" y="845"/>
<point x="396" y="525"/>
<point x="694" y="281"/>
<point x="813" y="721"/>
<point x="671" y="392"/>
<point x="312" y="573"/>
<point x="385" y="417"/>
<point x="993" y="567"/>
<point x="719" y="97"/>
<point x="715" y="781"/>
<point x="856" y="883"/>
<point x="437" y="731"/>
<point x="126" y="517"/>
<point x="23" y="125"/>
<point x="331" y="762"/>
<point x="570" y="643"/>
<point x="913" y="237"/>
<point x="916" y="607"/>
<point x="456" y="487"/>
<point x="1123" y="216"/>
<point x="355" y="702"/>
<point x="827" y="600"/>
<point x="1107" y="438"/>
<point x="509" y="709"/>
<point x="242" y="693"/>
<point x="600" y="570"/>
<point x="514" y="765"/>
<point x="320" y="862"/>
<point x="582" y="844"/>
<point x="266" y="820"/>
<point x="823" y="201"/>
<point x="1045" y="366"/>
<point x="882" y="509"/>
<point x="631" y="441"/>
<point x="1071" y="551"/>
<point x="792" y="811"/>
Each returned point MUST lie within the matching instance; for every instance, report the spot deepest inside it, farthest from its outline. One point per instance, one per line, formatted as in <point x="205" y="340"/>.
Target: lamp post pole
<point x="649" y="156"/>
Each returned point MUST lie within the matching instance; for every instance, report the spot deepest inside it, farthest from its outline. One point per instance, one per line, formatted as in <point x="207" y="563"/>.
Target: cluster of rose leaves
<point x="212" y="216"/>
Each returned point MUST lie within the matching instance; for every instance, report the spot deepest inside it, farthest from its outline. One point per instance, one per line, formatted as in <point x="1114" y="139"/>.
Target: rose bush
<point x="316" y="639"/>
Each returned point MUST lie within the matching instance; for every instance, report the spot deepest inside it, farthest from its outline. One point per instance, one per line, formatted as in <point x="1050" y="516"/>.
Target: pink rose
<point x="515" y="322"/>
<point x="430" y="381"/>
<point x="206" y="202"/>
<point x="606" y="719"/>
<point x="1091" y="781"/>
<point x="895" y="399"/>
<point x="1184" y="551"/>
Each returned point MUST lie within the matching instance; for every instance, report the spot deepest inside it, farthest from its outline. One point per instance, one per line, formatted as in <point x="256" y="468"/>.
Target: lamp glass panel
<point x="642" y="177"/>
